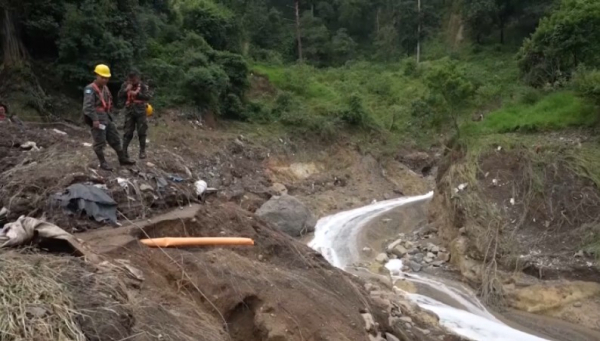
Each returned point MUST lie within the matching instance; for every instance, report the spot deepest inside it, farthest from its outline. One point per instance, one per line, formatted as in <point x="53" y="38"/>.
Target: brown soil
<point x="548" y="223"/>
<point x="528" y="209"/>
<point x="545" y="212"/>
<point x="277" y="290"/>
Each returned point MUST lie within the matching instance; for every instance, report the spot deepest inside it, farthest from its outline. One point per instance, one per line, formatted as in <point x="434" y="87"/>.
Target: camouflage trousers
<point x="108" y="134"/>
<point x="135" y="120"/>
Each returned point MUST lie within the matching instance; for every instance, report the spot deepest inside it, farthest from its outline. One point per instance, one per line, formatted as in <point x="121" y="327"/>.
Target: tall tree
<point x="298" y="33"/>
<point x="13" y="50"/>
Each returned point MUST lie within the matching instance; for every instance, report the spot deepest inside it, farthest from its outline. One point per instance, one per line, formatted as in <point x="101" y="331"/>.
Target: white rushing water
<point x="336" y="238"/>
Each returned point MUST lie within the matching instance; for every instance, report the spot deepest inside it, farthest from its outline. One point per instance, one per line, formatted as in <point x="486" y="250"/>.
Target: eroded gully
<point x="338" y="238"/>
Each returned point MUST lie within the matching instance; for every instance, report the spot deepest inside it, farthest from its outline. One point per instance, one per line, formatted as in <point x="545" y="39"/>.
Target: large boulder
<point x="289" y="215"/>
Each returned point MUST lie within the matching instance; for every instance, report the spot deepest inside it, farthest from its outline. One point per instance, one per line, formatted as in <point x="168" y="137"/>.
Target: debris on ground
<point x="26" y="229"/>
<point x="60" y="132"/>
<point x="201" y="187"/>
<point x="89" y="200"/>
<point x="196" y="241"/>
<point x="30" y="145"/>
<point x="175" y="178"/>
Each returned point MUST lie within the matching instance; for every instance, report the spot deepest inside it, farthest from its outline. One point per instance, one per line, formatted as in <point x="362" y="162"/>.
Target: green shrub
<point x="355" y="114"/>
<point x="587" y="84"/>
<point x="568" y="37"/>
<point x="530" y="96"/>
<point x="410" y="67"/>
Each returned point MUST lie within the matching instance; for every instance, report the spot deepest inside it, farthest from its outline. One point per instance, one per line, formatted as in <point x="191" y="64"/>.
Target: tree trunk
<point x="419" y="35"/>
<point x="12" y="46"/>
<point x="377" y="19"/>
<point x="298" y="37"/>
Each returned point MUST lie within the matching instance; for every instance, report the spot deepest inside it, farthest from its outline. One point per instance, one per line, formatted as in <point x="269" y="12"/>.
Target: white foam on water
<point x="475" y="323"/>
<point x="328" y="227"/>
<point x="470" y="325"/>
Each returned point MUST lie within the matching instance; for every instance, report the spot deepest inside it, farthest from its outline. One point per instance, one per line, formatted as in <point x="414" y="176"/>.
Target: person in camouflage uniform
<point x="97" y="109"/>
<point x="135" y="96"/>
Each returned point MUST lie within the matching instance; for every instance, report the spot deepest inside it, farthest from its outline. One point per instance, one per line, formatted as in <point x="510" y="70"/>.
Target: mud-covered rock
<point x="289" y="215"/>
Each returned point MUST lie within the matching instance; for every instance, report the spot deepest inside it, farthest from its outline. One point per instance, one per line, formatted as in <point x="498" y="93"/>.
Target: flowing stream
<point x="336" y="239"/>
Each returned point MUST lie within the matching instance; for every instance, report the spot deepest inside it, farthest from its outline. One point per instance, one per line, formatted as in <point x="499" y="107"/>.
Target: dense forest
<point x="368" y="63"/>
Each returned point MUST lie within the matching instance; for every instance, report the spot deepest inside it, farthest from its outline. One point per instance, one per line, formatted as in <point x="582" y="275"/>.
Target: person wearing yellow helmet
<point x="97" y="110"/>
<point x="135" y="96"/>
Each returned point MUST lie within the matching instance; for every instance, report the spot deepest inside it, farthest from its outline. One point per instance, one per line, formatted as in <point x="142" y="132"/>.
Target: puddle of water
<point x="335" y="239"/>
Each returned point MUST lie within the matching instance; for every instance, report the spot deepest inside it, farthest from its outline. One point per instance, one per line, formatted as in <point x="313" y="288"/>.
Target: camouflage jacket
<point x="137" y="102"/>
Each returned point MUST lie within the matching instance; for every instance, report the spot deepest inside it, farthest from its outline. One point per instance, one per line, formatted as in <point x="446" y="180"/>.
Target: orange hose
<point x="190" y="241"/>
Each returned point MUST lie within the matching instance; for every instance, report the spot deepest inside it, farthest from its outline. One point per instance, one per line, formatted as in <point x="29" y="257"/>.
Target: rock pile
<point x="406" y="320"/>
<point x="415" y="254"/>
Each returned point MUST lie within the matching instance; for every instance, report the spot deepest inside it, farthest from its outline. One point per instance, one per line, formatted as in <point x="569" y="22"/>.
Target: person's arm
<point x="145" y="94"/>
<point x="89" y="104"/>
<point x="16" y="120"/>
<point x="122" y="95"/>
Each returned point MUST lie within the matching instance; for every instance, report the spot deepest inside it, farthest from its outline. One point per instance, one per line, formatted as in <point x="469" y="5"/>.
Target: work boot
<point x="124" y="160"/>
<point x="142" y="154"/>
<point x="103" y="164"/>
<point x="126" y="142"/>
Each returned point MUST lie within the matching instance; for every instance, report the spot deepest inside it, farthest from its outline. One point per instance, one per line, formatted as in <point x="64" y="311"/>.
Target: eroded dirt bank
<point x="519" y="214"/>
<point x="278" y="290"/>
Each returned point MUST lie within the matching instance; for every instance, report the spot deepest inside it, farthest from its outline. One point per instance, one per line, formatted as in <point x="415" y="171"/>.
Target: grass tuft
<point x="34" y="304"/>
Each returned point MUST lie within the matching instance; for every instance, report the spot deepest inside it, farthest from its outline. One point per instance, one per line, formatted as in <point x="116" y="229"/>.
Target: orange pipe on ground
<point x="196" y="241"/>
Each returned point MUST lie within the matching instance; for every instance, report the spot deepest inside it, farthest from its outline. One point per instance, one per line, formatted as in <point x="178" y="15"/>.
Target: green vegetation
<point x="556" y="111"/>
<point x="345" y="64"/>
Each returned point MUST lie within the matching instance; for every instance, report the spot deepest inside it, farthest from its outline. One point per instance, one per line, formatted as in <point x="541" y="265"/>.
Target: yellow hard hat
<point x="102" y="70"/>
<point x="149" y="110"/>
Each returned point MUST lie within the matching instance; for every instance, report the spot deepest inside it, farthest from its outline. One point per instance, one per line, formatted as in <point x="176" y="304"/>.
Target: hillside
<point x="492" y="104"/>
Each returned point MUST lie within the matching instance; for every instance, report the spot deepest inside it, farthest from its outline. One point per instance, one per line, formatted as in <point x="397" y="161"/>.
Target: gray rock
<point x="428" y="260"/>
<point x="367" y="250"/>
<point x="391" y="247"/>
<point x="146" y="188"/>
<point x="289" y="215"/>
<point x="406" y="319"/>
<point x="418" y="257"/>
<point x="399" y="251"/>
<point x="414" y="266"/>
<point x="437" y="263"/>
<point x="579" y="254"/>
<point x="577" y="304"/>
<point x="390" y="337"/>
<point x="278" y="189"/>
<point x="430" y="255"/>
<point x="369" y="322"/>
<point x="425" y="331"/>
<point x="413" y="251"/>
<point x="382" y="258"/>
<point x="435" y="249"/>
<point x="443" y="257"/>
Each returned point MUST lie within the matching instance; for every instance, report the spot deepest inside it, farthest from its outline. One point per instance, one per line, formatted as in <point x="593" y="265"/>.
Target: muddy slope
<point x="277" y="290"/>
<point x="519" y="214"/>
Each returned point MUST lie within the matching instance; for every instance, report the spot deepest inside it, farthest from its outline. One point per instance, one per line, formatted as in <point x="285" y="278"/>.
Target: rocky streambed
<point x="391" y="245"/>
